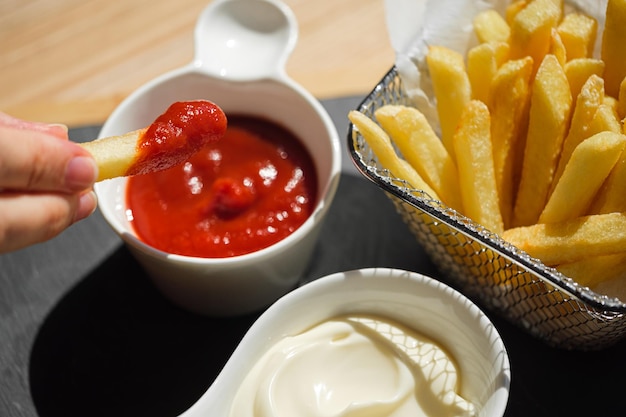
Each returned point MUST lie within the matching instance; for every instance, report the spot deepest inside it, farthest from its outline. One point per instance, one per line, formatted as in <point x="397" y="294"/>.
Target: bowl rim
<point x="325" y="194"/>
<point x="279" y="321"/>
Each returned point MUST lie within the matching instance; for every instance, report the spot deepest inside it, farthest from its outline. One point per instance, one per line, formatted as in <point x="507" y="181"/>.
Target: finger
<point x="26" y="219"/>
<point x="39" y="161"/>
<point x="57" y="130"/>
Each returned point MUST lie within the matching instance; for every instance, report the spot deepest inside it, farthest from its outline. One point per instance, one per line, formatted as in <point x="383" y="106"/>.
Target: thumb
<point x="33" y="159"/>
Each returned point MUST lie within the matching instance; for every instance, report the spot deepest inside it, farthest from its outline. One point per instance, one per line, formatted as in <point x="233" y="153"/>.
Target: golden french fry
<point x="614" y="286"/>
<point x="531" y="30"/>
<point x="621" y="100"/>
<point x="561" y="5"/>
<point x="611" y="197"/>
<point x="612" y="51"/>
<point x="572" y="240"/>
<point x="550" y="108"/>
<point x="382" y="147"/>
<point x="143" y="152"/>
<point x="605" y="119"/>
<point x="509" y="117"/>
<point x="451" y="87"/>
<point x="513" y="9"/>
<point x="590" y="164"/>
<point x="472" y="142"/>
<point x="422" y="148"/>
<point x="557" y="47"/>
<point x="594" y="270"/>
<point x="114" y="155"/>
<point x="579" y="70"/>
<point x="578" y="33"/>
<point x="483" y="62"/>
<point x="490" y="26"/>
<point x="588" y="101"/>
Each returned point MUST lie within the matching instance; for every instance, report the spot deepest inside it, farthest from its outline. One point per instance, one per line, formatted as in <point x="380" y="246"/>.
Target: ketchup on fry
<point x="184" y="128"/>
<point x="235" y="196"/>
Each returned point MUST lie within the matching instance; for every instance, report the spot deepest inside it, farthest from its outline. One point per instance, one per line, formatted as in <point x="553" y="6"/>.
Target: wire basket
<point x="497" y="275"/>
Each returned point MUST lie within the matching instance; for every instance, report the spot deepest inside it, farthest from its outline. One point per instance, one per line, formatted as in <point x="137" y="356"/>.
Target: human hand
<point x="46" y="182"/>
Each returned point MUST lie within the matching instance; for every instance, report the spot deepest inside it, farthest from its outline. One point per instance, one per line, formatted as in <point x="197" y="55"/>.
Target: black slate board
<point x="84" y="333"/>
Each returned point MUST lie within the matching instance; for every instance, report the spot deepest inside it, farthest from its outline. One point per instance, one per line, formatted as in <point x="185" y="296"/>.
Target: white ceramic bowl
<point x="419" y="302"/>
<point x="241" y="49"/>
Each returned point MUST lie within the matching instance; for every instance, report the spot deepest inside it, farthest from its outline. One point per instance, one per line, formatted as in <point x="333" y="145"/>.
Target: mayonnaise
<point x="352" y="366"/>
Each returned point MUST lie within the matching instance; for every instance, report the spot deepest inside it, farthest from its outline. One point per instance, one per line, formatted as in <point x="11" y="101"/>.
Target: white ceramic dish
<point x="241" y="50"/>
<point x="419" y="302"/>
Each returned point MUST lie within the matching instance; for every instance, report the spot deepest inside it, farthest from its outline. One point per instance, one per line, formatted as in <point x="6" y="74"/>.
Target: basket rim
<point x="472" y="230"/>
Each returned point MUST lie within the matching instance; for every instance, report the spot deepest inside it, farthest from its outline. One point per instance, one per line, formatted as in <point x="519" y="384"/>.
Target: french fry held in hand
<point x="171" y="139"/>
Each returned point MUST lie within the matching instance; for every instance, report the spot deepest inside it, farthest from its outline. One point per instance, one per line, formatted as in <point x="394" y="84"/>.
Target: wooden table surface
<point x="73" y="61"/>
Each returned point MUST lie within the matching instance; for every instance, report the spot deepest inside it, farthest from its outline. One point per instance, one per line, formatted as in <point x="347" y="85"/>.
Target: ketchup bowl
<point x="311" y="379"/>
<point x="241" y="47"/>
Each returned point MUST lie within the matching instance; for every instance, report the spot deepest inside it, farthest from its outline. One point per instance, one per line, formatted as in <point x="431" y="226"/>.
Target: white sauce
<point x="352" y="366"/>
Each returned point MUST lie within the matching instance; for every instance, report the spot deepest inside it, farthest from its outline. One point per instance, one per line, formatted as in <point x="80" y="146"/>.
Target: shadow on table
<point x="114" y="346"/>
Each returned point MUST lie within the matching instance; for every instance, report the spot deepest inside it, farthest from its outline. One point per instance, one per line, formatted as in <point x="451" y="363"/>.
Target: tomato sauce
<point x="235" y="196"/>
<point x="184" y="128"/>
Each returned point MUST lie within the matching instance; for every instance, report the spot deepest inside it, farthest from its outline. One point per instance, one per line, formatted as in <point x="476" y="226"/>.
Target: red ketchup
<point x="184" y="128"/>
<point x="235" y="196"/>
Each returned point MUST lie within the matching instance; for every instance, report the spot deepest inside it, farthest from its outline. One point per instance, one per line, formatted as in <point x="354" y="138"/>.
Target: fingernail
<point x="87" y="204"/>
<point x="58" y="130"/>
<point x="81" y="173"/>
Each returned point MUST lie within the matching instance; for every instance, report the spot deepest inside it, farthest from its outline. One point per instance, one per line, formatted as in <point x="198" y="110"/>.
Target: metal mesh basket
<point x="498" y="276"/>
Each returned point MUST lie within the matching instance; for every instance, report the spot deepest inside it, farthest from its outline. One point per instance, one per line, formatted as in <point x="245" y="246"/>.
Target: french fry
<point x="621" y="100"/>
<point x="557" y="48"/>
<point x="594" y="270"/>
<point x="513" y="10"/>
<point x="605" y="119"/>
<point x="612" y="52"/>
<point x="420" y="146"/>
<point x="452" y="90"/>
<point x="483" y="62"/>
<point x="578" y="185"/>
<point x="614" y="286"/>
<point x="114" y="155"/>
<point x="531" y="30"/>
<point x="509" y="116"/>
<point x="550" y="108"/>
<point x="587" y="103"/>
<point x="381" y="145"/>
<point x="578" y="33"/>
<point x="573" y="240"/>
<point x="490" y="26"/>
<point x="611" y="197"/>
<point x="579" y="70"/>
<point x="477" y="179"/>
<point x="126" y="155"/>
